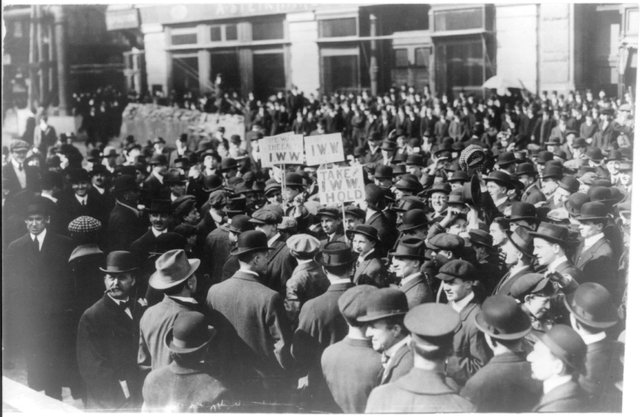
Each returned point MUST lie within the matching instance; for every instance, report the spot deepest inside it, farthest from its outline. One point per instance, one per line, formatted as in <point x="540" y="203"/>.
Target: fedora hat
<point x="501" y="317"/>
<point x="500" y="178"/>
<point x="251" y="241"/>
<point x="190" y="333"/>
<point x="569" y="183"/>
<point x="575" y="202"/>
<point x="440" y="187"/>
<point x="567" y="345"/>
<point x="228" y="164"/>
<point x="407" y="203"/>
<point x="593" y="305"/>
<point x="409" y="247"/>
<point x="413" y="219"/>
<point x="408" y="184"/>
<point x="172" y="268"/>
<point x="592" y="211"/>
<point x="552" y="232"/>
<point x="522" y="240"/>
<point x="364" y="230"/>
<point x="336" y="254"/>
<point x="238" y="224"/>
<point x="522" y="211"/>
<point x="481" y="237"/>
<point x="506" y="158"/>
<point x="383" y="303"/>
<point x="526" y="168"/>
<point x="119" y="262"/>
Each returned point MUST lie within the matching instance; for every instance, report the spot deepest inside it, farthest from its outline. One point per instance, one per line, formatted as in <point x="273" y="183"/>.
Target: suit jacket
<point x="216" y="252"/>
<point x="598" y="265"/>
<point x="419" y="391"/>
<point x="504" y="285"/>
<point x="154" y="326"/>
<point x="399" y="364"/>
<point x="351" y="369"/>
<point x="70" y="207"/>
<point x="568" y="268"/>
<point x="280" y="266"/>
<point x="567" y="398"/>
<point x="370" y="271"/>
<point x="307" y="281"/>
<point x="124" y="226"/>
<point x="603" y="370"/>
<point x="175" y="388"/>
<point x="256" y="313"/>
<point x="107" y="348"/>
<point x="470" y="351"/>
<point x="533" y="195"/>
<point x="10" y="178"/>
<point x="145" y="245"/>
<point x="503" y="385"/>
<point x="386" y="231"/>
<point x="418" y="291"/>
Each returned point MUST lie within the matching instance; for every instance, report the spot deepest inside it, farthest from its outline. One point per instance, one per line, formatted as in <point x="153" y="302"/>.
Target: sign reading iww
<point x="339" y="185"/>
<point x="324" y="149"/>
<point x="286" y="148"/>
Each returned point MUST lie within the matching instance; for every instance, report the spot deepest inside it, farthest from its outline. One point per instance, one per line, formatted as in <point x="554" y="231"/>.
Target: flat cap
<point x="217" y="199"/>
<point x="432" y="320"/>
<point x="265" y="216"/>
<point x="446" y="241"/>
<point x="457" y="268"/>
<point x="84" y="224"/>
<point x="182" y="205"/>
<point x="332" y="212"/>
<point x="18" y="145"/>
<point x="303" y="243"/>
<point x="352" y="303"/>
<point x="531" y="284"/>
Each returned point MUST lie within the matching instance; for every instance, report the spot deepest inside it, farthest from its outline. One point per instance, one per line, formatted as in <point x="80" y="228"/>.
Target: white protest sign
<point x="339" y="185"/>
<point x="324" y="149"/>
<point x="286" y="148"/>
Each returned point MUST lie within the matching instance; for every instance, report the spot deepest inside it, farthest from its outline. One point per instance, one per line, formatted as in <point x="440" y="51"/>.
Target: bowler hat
<point x="174" y="177"/>
<point x="251" y="241"/>
<point x="552" y="170"/>
<point x="293" y="179"/>
<point x="601" y="194"/>
<point x="506" y="158"/>
<point x="211" y="183"/>
<point x="84" y="224"/>
<point x="383" y="303"/>
<point x="526" y="168"/>
<point x="228" y="164"/>
<point x="481" y="237"/>
<point x="124" y="183"/>
<point x="365" y="230"/>
<point x="421" y="321"/>
<point x="543" y="157"/>
<point x="332" y="212"/>
<point x="409" y="247"/>
<point x="172" y="268"/>
<point x="458" y="176"/>
<point x="595" y="154"/>
<point x="522" y="240"/>
<point x="569" y="183"/>
<point x="159" y="159"/>
<point x="160" y="206"/>
<point x="383" y="172"/>
<point x="531" y="283"/>
<point x="522" y="211"/>
<point x="575" y="202"/>
<point x="555" y="141"/>
<point x="190" y="333"/>
<point x="374" y="194"/>
<point x="79" y="175"/>
<point x="413" y="219"/>
<point x="238" y="224"/>
<point x="183" y="205"/>
<point x="579" y="143"/>
<point x="336" y="254"/>
<point x="352" y="303"/>
<point x="458" y="268"/>
<point x="408" y="184"/>
<point x="119" y="262"/>
<point x="500" y="178"/>
<point x="593" y="305"/>
<point x="501" y="317"/>
<point x="237" y="205"/>
<point x="265" y="216"/>
<point x="414" y="160"/>
<point x="567" y="345"/>
<point x="303" y="243"/>
<point x="439" y="187"/>
<point x="592" y="211"/>
<point x="552" y="232"/>
<point x="407" y="203"/>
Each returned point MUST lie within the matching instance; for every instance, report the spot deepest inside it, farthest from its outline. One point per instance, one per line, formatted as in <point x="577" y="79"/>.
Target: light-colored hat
<point x="172" y="268"/>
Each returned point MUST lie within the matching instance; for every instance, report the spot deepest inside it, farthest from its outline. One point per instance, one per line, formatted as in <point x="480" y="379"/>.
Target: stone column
<point x="60" y="30"/>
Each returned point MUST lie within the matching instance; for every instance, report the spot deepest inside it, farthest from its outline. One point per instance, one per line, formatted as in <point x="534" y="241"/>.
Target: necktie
<point x="36" y="245"/>
<point x="20" y="167"/>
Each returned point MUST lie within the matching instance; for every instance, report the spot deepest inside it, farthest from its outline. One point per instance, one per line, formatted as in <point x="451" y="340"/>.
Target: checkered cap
<point x="84" y="224"/>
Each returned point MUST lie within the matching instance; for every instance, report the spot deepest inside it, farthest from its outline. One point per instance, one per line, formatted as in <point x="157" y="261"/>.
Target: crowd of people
<point x="485" y="270"/>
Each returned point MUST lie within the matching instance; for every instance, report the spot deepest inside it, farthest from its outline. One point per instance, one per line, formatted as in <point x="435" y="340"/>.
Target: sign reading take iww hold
<point x="339" y="185"/>
<point x="324" y="149"/>
<point x="286" y="148"/>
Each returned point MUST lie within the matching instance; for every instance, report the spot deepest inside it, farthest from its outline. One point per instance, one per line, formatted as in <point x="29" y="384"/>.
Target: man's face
<point x="361" y="244"/>
<point x="527" y="180"/>
<point x="260" y="262"/>
<point x="290" y="193"/>
<point x="351" y="222"/>
<point x="542" y="362"/>
<point x="497" y="233"/>
<point x="543" y="250"/>
<point x="329" y="224"/>
<point x="119" y="285"/>
<point x="81" y="188"/>
<point x="439" y="202"/>
<point x="511" y="253"/>
<point x="193" y="217"/>
<point x="208" y="162"/>
<point x="275" y="198"/>
<point x="36" y="223"/>
<point x="269" y="230"/>
<point x="159" y="221"/>
<point x="233" y="237"/>
<point x="160" y="169"/>
<point x="19" y="155"/>
<point x="456" y="289"/>
<point x="99" y="180"/>
<point x="588" y="229"/>
<point x="403" y="267"/>
<point x="625" y="178"/>
<point x="613" y="167"/>
<point x="549" y="185"/>
<point x="560" y="195"/>
<point x="382" y="335"/>
<point x="496" y="191"/>
<point x="538" y="305"/>
<point x="458" y="226"/>
<point x="133" y="154"/>
<point x="178" y="189"/>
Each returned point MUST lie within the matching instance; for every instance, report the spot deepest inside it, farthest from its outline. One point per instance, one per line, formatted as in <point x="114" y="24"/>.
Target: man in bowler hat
<point x="351" y="368"/>
<point x="407" y="258"/>
<point x="424" y="389"/>
<point x="368" y="267"/>
<point x="126" y="222"/>
<point x="504" y="384"/>
<point x="107" y="343"/>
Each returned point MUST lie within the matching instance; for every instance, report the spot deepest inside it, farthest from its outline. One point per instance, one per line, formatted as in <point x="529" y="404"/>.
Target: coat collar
<point x="421" y="381"/>
<point x="508" y="357"/>
<point x="85" y="250"/>
<point x="563" y="392"/>
<point x="340" y="287"/>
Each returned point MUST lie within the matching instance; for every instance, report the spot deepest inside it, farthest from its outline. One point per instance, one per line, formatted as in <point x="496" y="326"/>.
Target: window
<point x="632" y="22"/>
<point x="221" y="33"/>
<point x="422" y="57"/>
<point x="268" y="74"/>
<point x="264" y="30"/>
<point x="333" y="28"/>
<point x="18" y="30"/>
<point x="401" y="58"/>
<point x="216" y="33"/>
<point x="184" y="39"/>
<point x="460" y="19"/>
<point x="340" y="73"/>
<point x="463" y="63"/>
<point x="231" y="32"/>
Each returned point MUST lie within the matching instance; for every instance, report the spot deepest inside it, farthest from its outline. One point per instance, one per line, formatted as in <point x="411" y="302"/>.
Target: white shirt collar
<point x="157" y="233"/>
<point x="248" y="271"/>
<point x="304" y="261"/>
<point x="99" y="189"/>
<point x="273" y="239"/>
<point x="184" y="299"/>
<point x="370" y="212"/>
<point x="590" y="339"/>
<point x="40" y="238"/>
<point x="460" y="304"/>
<point x="362" y="257"/>
<point x="118" y="302"/>
<point x="16" y="164"/>
<point x="393" y="349"/>
<point x="172" y="197"/>
<point x="514" y="270"/>
<point x="81" y="200"/>
<point x="158" y="176"/>
<point x="555" y="382"/>
<point x="500" y="201"/>
<point x="553" y="265"/>
<point x="48" y="195"/>
<point x="406" y="279"/>
<point x="591" y="240"/>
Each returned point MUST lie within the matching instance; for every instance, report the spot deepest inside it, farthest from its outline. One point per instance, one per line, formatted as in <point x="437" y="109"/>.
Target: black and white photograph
<point x="296" y="207"/>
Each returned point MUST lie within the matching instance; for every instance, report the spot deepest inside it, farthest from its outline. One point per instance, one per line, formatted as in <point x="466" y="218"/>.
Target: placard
<point x="339" y="185"/>
<point x="323" y="149"/>
<point x="286" y="148"/>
